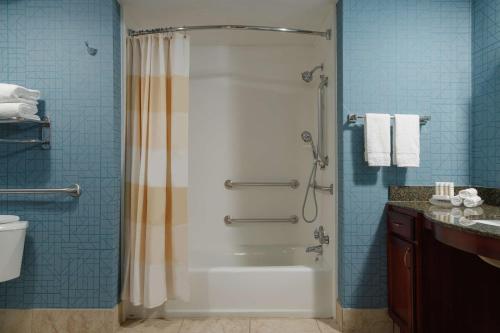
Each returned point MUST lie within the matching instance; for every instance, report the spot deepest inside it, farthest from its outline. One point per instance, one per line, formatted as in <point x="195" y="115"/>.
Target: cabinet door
<point x="401" y="282"/>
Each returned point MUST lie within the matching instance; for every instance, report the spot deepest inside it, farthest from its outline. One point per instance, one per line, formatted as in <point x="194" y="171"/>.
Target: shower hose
<point x="311" y="184"/>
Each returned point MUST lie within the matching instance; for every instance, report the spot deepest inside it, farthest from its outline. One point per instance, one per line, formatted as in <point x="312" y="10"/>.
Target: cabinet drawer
<point x="402" y="225"/>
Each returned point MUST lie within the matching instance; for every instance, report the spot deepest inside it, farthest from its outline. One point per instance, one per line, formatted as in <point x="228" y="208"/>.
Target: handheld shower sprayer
<point x="307" y="138"/>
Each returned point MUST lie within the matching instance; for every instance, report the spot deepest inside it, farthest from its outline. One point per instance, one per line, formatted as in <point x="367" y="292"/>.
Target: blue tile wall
<point x="396" y="56"/>
<point x="72" y="248"/>
<point x="485" y="145"/>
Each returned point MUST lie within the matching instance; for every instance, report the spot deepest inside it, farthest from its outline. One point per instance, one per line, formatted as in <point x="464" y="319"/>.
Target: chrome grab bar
<point x="229" y="184"/>
<point x="74" y="191"/>
<point x="292" y="219"/>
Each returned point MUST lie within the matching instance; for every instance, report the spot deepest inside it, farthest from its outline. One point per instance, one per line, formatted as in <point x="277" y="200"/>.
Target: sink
<point x="495" y="223"/>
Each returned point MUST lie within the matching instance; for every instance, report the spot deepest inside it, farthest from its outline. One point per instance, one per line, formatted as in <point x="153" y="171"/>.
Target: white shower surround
<point x="248" y="106"/>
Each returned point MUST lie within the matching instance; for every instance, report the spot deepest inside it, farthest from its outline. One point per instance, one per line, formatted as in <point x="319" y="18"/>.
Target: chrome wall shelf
<point x="292" y="219"/>
<point x="44" y="136"/>
<point x="229" y="184"/>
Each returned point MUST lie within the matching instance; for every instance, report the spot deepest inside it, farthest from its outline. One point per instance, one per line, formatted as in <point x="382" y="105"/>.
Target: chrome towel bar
<point x="291" y="219"/>
<point x="74" y="191"/>
<point x="229" y="184"/>
<point x="353" y="118"/>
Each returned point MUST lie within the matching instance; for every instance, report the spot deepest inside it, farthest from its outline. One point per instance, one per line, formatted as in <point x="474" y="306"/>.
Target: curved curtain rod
<point x="327" y="34"/>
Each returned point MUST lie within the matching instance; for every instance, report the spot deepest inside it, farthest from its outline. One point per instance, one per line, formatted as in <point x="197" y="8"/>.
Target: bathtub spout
<point x="316" y="249"/>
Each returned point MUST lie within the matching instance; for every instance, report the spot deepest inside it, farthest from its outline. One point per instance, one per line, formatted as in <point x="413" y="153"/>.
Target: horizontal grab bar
<point x="229" y="184"/>
<point x="74" y="191"/>
<point x="291" y="219"/>
<point x="34" y="141"/>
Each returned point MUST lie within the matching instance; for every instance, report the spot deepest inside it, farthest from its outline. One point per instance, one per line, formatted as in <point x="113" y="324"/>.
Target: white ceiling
<point x="305" y="14"/>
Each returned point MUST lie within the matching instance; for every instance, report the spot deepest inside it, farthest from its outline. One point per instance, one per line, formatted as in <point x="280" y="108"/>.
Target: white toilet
<point x="12" y="235"/>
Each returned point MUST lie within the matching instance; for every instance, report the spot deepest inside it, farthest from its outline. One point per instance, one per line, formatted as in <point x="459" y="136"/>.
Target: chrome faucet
<point x="316" y="249"/>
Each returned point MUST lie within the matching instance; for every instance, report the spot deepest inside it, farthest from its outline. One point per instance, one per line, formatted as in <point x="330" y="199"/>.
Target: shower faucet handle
<point x="319" y="233"/>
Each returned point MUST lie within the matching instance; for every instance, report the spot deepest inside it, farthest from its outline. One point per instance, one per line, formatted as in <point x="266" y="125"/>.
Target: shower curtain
<point x="155" y="266"/>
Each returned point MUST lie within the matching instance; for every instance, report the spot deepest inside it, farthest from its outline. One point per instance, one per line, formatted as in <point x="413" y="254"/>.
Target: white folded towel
<point x="11" y="110"/>
<point x="19" y="100"/>
<point x="378" y="139"/>
<point x="406" y="138"/>
<point x="472" y="201"/>
<point x="468" y="193"/>
<point x="8" y="218"/>
<point x="14" y="91"/>
<point x="456" y="201"/>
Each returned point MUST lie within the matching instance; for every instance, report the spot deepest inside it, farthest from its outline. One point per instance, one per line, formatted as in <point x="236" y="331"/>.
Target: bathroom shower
<point x="319" y="157"/>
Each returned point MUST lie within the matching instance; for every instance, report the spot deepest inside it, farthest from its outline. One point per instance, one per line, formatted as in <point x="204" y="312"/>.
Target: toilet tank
<point x="12" y="236"/>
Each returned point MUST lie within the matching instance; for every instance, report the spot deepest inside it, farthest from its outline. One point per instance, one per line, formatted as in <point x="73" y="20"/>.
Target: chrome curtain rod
<point x="74" y="191"/>
<point x="326" y="34"/>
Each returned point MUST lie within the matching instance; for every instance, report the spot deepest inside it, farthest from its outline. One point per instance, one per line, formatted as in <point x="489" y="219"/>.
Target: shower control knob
<point x="316" y="233"/>
<point x="319" y="233"/>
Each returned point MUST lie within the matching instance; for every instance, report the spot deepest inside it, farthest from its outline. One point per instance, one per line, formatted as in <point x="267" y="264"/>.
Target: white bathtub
<point x="258" y="281"/>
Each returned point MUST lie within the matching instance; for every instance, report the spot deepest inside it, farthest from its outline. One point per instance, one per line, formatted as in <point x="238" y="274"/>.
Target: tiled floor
<point x="231" y="325"/>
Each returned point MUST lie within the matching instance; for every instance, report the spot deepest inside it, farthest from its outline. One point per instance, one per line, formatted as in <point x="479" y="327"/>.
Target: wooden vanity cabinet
<point x="436" y="281"/>
<point x="402" y="265"/>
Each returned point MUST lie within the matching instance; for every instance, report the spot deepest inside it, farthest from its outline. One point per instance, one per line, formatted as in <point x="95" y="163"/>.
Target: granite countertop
<point x="460" y="218"/>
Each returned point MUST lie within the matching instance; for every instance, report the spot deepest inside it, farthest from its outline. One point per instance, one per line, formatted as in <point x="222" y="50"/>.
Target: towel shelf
<point x="229" y="184"/>
<point x="74" y="191"/>
<point x="292" y="219"/>
<point x="353" y="118"/>
<point x="44" y="123"/>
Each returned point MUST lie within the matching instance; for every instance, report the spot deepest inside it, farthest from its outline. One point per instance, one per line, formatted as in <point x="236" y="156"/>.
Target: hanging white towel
<point x="14" y="91"/>
<point x="378" y="139"/>
<point x="11" y="110"/>
<point x="406" y="140"/>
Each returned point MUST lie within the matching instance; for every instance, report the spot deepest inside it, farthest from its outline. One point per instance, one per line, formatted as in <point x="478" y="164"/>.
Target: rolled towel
<point x="14" y="91"/>
<point x="8" y="218"/>
<point x="19" y="100"/>
<point x="472" y="201"/>
<point x="468" y="193"/>
<point x="456" y="201"/>
<point x="11" y="110"/>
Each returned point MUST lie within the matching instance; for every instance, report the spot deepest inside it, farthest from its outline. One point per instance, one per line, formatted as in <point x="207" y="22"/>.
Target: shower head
<point x="306" y="137"/>
<point x="308" y="75"/>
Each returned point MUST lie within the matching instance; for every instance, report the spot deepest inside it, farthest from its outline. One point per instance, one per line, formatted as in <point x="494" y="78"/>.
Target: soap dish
<point x="441" y="203"/>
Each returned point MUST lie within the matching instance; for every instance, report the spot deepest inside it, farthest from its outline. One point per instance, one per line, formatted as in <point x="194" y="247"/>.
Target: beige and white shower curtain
<point x="156" y="167"/>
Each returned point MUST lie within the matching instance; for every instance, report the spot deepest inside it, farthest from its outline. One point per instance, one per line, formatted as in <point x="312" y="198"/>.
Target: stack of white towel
<point x="18" y="102"/>
<point x="468" y="198"/>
